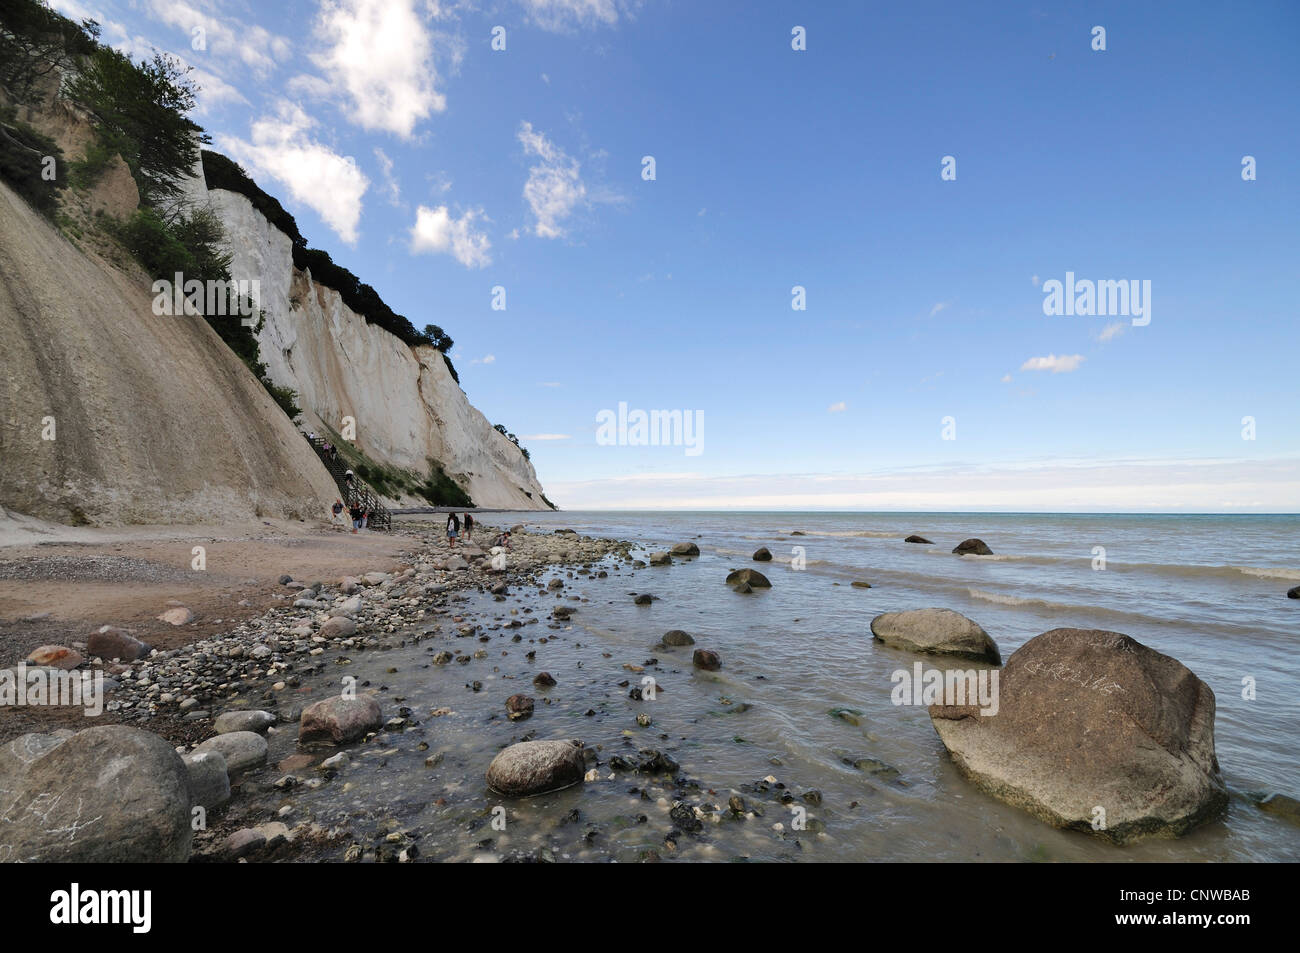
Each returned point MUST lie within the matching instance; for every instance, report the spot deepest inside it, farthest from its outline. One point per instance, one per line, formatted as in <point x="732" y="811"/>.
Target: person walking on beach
<point x="469" y="528"/>
<point x="453" y="529"/>
<point x="355" y="512"/>
<point x="337" y="510"/>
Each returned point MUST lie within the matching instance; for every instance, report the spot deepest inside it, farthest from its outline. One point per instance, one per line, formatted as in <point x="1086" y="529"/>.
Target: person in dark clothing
<point x="453" y="529"/>
<point x="469" y="528"/>
<point x="354" y="511"/>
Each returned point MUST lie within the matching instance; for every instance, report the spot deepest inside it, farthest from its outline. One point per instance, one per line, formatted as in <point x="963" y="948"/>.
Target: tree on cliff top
<point x="141" y="112"/>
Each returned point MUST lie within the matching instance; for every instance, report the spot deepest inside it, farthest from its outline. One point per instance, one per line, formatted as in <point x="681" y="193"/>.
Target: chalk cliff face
<point x="111" y="414"/>
<point x="407" y="408"/>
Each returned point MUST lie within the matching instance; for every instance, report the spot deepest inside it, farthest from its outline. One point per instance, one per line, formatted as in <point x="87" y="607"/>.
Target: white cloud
<point x="391" y="185"/>
<point x="1113" y="330"/>
<point x="554" y="187"/>
<point x="838" y="408"/>
<point x="563" y="14"/>
<point x="550" y="384"/>
<point x="316" y="175"/>
<point x="940" y="306"/>
<point x="1006" y="378"/>
<point x="379" y="57"/>
<point x="490" y="359"/>
<point x="1035" y="279"/>
<point x="1057" y="365"/>
<point x="437" y="232"/>
<point x="546" y="436"/>
<point x="228" y="39"/>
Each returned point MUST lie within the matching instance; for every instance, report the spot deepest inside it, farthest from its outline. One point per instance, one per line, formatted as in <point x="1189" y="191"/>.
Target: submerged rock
<point x="972" y="546"/>
<point x="110" y="794"/>
<point x="678" y="637"/>
<point x="709" y="661"/>
<point x="1093" y="725"/>
<point x="936" y="632"/>
<point x="918" y="539"/>
<point x="753" y="577"/>
<point x="519" y="706"/>
<point x="535" y="767"/>
<point x="1283" y="806"/>
<point x="762" y="554"/>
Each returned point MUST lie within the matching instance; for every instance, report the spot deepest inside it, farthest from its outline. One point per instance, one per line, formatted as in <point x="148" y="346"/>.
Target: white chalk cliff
<point x="407" y="407"/>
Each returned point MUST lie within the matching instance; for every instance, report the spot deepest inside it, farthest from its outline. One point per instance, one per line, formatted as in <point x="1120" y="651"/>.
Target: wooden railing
<point x="353" y="491"/>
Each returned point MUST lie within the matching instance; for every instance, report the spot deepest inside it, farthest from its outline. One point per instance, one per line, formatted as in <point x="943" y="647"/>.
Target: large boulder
<point x="241" y="749"/>
<point x="685" y="549"/>
<point x="752" y="577"/>
<point x="972" y="547"/>
<point x="763" y="555"/>
<point x="535" y="767"/>
<point x="109" y="794"/>
<point x="1293" y="592"/>
<point x="339" y="720"/>
<point x="677" y="637"/>
<point x="1091" y="720"/>
<point x="109" y="642"/>
<point x="660" y="559"/>
<point x="936" y="632"/>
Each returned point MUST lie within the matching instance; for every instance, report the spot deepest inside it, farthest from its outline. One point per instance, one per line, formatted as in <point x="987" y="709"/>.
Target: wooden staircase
<point x="355" y="492"/>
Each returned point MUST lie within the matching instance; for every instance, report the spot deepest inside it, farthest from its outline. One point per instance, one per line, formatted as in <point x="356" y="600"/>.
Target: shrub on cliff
<point x="23" y="164"/>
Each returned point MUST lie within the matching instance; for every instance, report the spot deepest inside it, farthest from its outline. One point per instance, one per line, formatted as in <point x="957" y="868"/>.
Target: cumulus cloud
<point x="1057" y="365"/>
<point x="1006" y="378"/>
<point x="378" y="57"/>
<point x="554" y="187"/>
<point x="939" y="306"/>
<point x="1113" y="330"/>
<point x="435" y="231"/>
<point x="838" y="408"/>
<point x="490" y="359"/>
<point x="281" y="146"/>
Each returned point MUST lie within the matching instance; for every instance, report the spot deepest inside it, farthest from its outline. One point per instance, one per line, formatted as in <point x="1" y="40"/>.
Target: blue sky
<point x="437" y="168"/>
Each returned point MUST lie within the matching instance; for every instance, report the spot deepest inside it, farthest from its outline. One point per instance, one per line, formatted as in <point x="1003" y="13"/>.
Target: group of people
<point x="454" y="524"/>
<point x="360" y="515"/>
<point x="327" y="448"/>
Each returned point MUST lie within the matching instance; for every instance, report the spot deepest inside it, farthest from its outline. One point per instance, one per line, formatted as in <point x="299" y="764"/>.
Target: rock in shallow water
<point x="763" y="554"/>
<point x="709" y="661"/>
<point x="678" y="637"/>
<point x="936" y="632"/>
<point x="339" y="720"/>
<point x="918" y="539"/>
<point x="110" y="794"/>
<point x="535" y="767"/>
<point x="752" y="577"/>
<point x="685" y="549"/>
<point x="973" y="547"/>
<point x="1088" y="720"/>
<point x="209" y="778"/>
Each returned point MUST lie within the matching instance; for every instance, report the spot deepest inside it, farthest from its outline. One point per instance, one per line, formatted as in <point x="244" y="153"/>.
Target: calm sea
<point x="1207" y="590"/>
